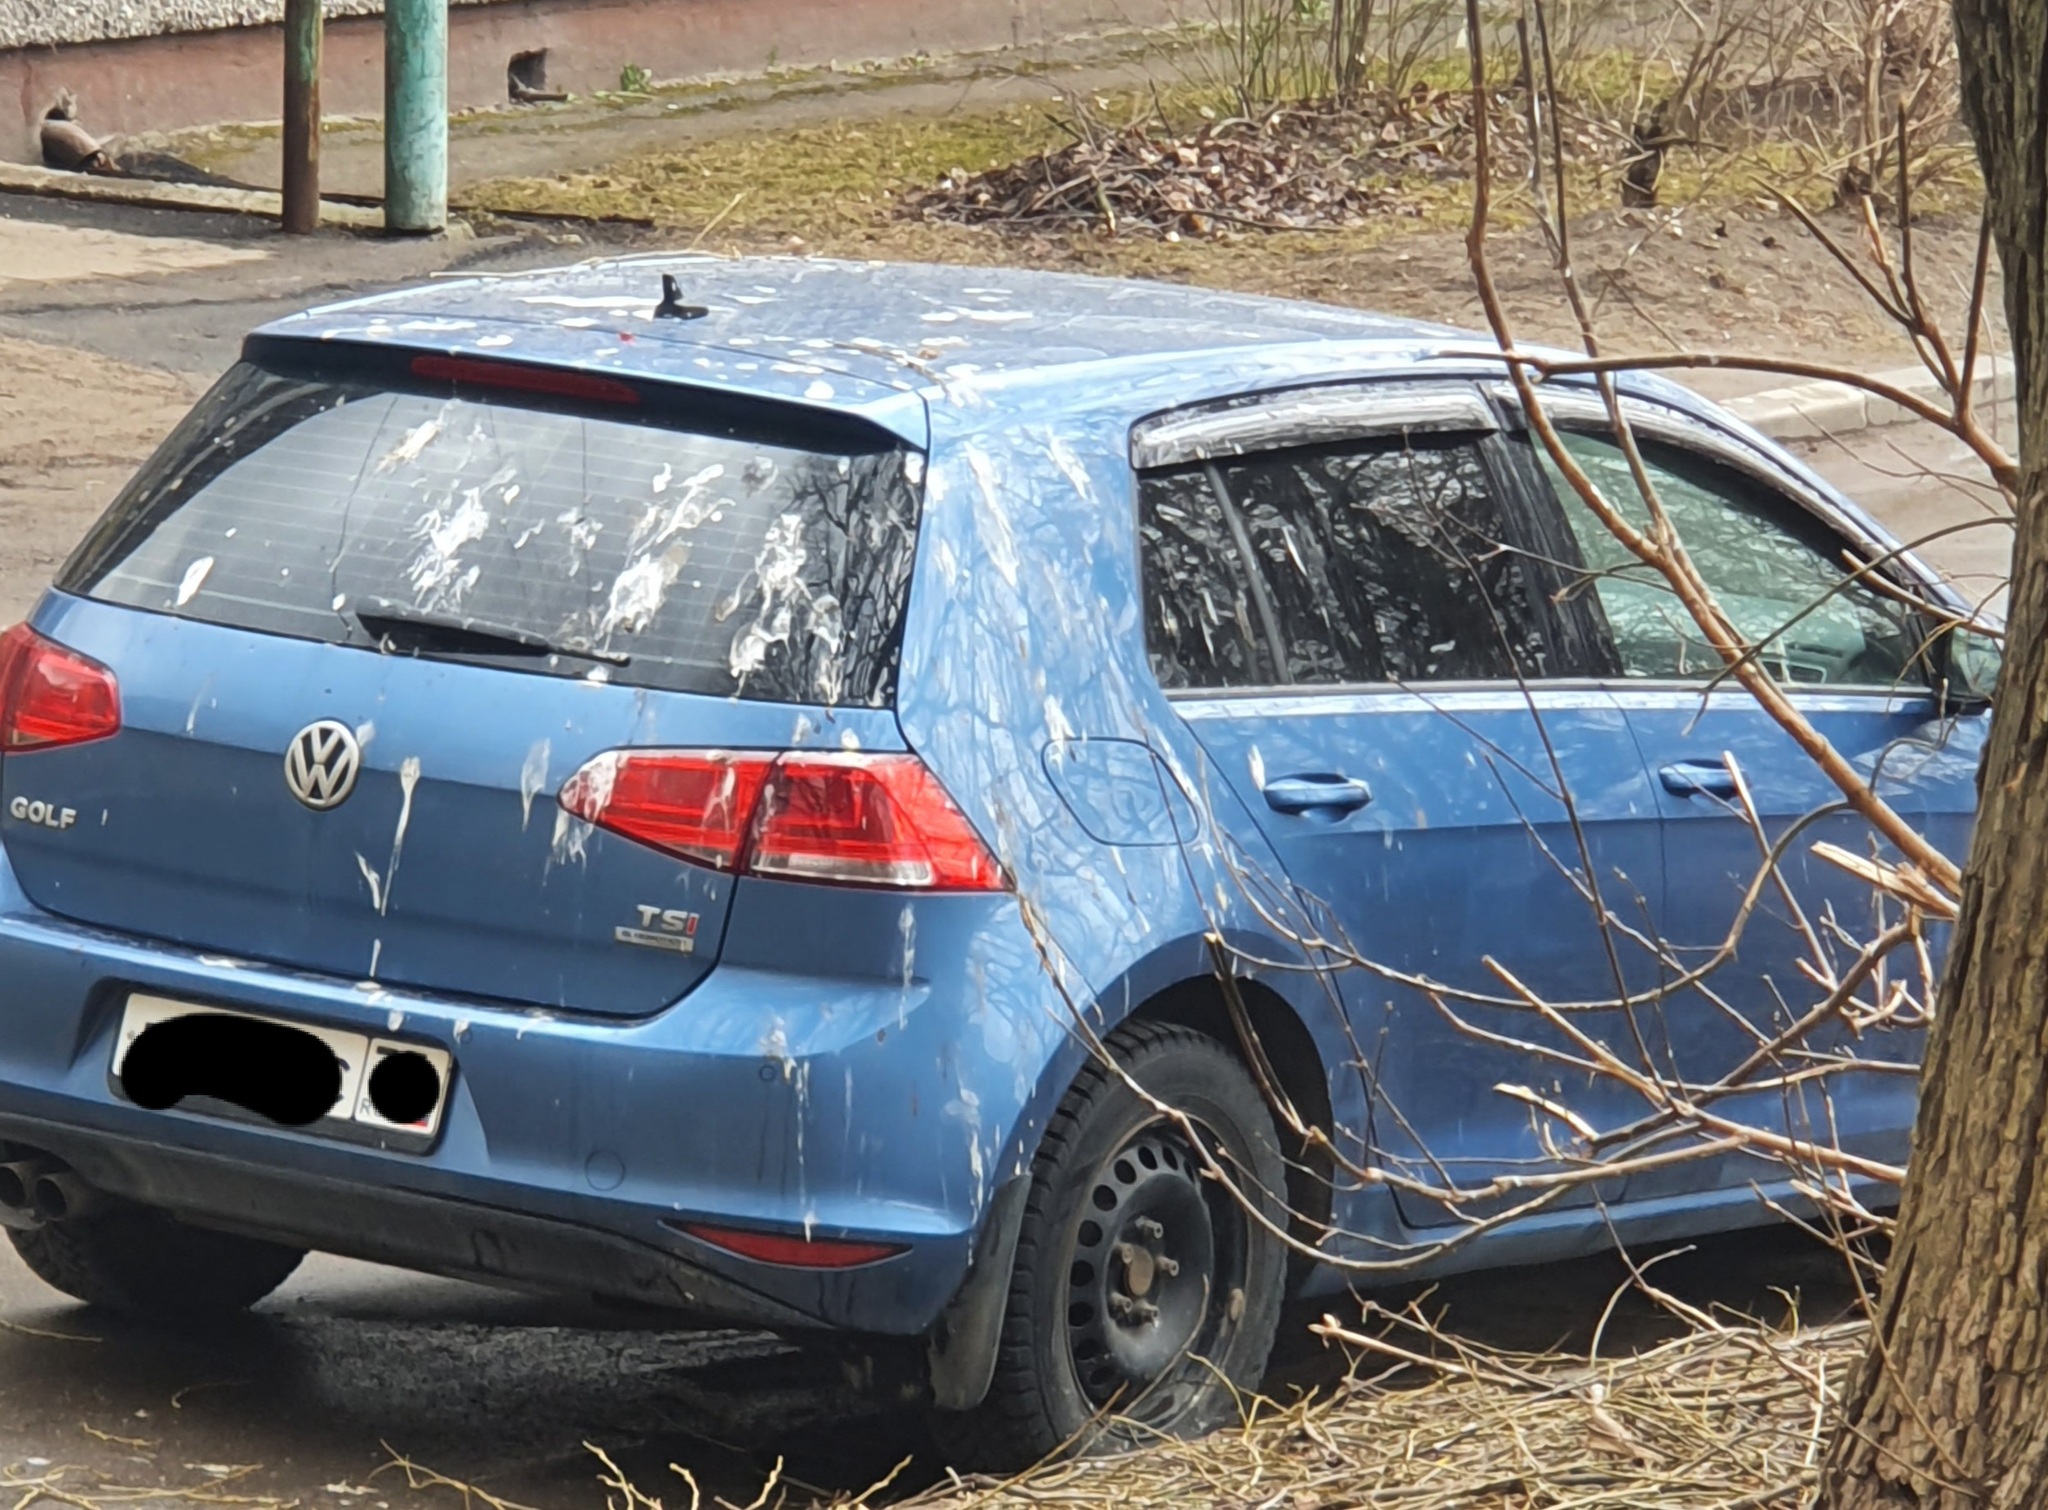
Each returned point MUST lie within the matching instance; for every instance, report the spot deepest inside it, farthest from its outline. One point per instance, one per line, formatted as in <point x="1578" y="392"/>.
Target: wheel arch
<point x="1272" y="1041"/>
<point x="1252" y="1023"/>
<point x="1291" y="1047"/>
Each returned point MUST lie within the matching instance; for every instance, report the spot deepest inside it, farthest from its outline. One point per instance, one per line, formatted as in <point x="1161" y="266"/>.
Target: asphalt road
<point x="308" y="1399"/>
<point x="1931" y="491"/>
<point x="310" y="1396"/>
<point x="189" y="313"/>
<point x="313" y="1396"/>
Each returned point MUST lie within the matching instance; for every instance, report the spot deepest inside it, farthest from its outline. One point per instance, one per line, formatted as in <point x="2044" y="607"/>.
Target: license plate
<point x="419" y="1070"/>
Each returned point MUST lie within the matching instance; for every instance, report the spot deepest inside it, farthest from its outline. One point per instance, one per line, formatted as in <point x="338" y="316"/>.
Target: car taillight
<point x="856" y="819"/>
<point x="691" y="803"/>
<point x="871" y="820"/>
<point x="50" y="696"/>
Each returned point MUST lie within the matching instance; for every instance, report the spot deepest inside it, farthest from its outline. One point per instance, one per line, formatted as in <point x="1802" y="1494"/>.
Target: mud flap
<point x="962" y="1351"/>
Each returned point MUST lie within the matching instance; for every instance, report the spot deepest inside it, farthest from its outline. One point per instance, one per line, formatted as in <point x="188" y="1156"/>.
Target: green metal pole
<point x="301" y="116"/>
<point x="415" y="115"/>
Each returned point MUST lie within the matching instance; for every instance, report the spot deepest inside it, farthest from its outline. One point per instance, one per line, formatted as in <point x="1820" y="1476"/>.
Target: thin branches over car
<point x="1736" y="1051"/>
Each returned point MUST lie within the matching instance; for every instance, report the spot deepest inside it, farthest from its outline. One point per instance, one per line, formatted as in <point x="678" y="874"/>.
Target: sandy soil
<point x="1729" y="279"/>
<point x="31" y="252"/>
<point x="73" y="426"/>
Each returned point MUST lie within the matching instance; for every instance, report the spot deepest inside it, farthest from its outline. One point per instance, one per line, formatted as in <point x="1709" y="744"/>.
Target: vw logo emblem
<point x="322" y="764"/>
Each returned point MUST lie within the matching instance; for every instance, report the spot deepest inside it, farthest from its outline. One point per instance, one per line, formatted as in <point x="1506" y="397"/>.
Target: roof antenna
<point x="672" y="306"/>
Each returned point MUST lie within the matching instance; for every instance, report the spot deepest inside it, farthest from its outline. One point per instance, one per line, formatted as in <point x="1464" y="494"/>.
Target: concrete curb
<point x="19" y="178"/>
<point x="1815" y="411"/>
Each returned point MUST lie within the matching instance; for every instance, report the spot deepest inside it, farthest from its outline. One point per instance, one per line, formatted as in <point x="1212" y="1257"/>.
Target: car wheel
<point x="139" y="1261"/>
<point x="1145" y="1298"/>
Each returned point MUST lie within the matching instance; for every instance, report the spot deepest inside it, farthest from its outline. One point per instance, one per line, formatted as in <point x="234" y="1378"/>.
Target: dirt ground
<point x="305" y="1403"/>
<point x="824" y="163"/>
<point x="73" y="426"/>
<point x="1735" y="279"/>
<point x="1732" y="278"/>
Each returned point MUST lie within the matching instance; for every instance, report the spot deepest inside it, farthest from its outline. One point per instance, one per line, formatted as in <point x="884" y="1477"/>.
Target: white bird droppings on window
<point x="192" y="581"/>
<point x="638" y="593"/>
<point x="408" y="449"/>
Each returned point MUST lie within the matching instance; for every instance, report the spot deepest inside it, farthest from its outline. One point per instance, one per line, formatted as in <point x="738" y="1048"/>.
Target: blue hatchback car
<point x="821" y="796"/>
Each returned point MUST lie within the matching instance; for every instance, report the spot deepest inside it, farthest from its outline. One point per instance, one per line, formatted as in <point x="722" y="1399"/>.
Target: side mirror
<point x="1966" y="665"/>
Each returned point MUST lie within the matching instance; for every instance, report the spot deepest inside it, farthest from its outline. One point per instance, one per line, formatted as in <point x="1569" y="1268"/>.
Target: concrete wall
<point x="48" y="23"/>
<point x="183" y="78"/>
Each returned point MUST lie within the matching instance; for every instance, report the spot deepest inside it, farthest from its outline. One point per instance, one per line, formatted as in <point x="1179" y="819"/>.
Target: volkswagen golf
<point x="822" y="796"/>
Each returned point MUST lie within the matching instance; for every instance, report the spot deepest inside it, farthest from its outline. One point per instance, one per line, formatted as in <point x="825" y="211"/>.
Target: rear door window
<point x="1389" y="560"/>
<point x="460" y="522"/>
<point x="1202" y="626"/>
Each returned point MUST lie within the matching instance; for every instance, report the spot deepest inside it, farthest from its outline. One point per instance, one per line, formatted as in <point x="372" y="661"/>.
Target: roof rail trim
<point x="1307" y="416"/>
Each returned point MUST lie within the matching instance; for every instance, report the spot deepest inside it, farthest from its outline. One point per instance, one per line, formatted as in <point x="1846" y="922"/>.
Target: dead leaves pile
<point x="1298" y="169"/>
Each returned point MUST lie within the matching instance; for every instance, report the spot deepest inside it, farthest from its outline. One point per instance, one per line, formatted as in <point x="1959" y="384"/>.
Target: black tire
<point x="1196" y="1295"/>
<point x="128" y="1258"/>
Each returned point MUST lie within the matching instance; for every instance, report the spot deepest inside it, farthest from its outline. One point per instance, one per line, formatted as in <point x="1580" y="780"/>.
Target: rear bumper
<point x="572" y="1151"/>
<point x="433" y="1233"/>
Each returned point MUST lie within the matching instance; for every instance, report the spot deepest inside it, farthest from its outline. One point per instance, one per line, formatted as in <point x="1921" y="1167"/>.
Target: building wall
<point x="46" y="23"/>
<point x="179" y="76"/>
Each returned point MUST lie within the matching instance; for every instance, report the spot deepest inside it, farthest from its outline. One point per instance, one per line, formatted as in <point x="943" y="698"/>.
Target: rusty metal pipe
<point x="301" y="116"/>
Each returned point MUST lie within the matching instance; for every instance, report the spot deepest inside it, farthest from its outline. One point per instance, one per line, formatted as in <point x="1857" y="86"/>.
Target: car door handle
<point x="1316" y="793"/>
<point x="1695" y="778"/>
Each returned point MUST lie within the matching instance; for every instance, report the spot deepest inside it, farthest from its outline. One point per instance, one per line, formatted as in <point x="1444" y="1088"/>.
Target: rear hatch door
<point x="467" y="592"/>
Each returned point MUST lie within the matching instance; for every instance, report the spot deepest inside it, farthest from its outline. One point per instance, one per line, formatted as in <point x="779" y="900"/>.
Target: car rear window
<point x="740" y="561"/>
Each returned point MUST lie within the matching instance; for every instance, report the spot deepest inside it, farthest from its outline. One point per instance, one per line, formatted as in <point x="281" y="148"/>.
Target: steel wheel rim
<point x="1155" y="1280"/>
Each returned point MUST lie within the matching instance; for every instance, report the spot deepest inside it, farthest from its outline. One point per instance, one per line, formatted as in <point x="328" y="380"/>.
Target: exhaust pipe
<point x="59" y="1195"/>
<point x="17" y="1191"/>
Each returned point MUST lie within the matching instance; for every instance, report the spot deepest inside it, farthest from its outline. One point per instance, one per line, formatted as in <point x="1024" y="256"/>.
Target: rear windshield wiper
<point x="403" y="629"/>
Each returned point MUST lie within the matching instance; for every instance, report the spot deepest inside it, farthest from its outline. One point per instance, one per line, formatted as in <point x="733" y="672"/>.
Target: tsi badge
<point x="49" y="815"/>
<point x="667" y="928"/>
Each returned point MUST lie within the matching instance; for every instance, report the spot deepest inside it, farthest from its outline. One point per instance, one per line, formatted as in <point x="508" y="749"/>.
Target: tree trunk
<point x="1950" y="1409"/>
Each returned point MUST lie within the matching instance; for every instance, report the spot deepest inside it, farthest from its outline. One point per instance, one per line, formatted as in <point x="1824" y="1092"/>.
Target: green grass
<point x="814" y="181"/>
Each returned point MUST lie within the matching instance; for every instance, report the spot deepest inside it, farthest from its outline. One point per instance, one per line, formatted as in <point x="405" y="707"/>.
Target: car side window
<point x="1778" y="573"/>
<point x="1387" y="562"/>
<point x="1201" y="626"/>
<point x="1375" y="561"/>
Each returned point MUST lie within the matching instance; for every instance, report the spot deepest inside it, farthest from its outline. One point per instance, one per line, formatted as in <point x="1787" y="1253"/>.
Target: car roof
<point x="863" y="337"/>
